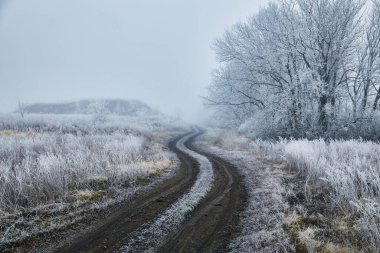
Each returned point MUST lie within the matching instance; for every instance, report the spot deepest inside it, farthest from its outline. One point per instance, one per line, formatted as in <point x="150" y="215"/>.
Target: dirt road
<point x="207" y="228"/>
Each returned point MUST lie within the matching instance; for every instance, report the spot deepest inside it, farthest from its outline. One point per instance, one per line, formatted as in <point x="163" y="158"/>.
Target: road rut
<point x="208" y="228"/>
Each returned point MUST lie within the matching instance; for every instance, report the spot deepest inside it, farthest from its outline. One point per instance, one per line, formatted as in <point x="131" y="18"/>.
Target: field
<point x="54" y="169"/>
<point x="306" y="195"/>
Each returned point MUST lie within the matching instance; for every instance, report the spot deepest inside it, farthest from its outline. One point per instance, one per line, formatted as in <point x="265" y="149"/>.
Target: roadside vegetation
<point x="55" y="170"/>
<point x="331" y="188"/>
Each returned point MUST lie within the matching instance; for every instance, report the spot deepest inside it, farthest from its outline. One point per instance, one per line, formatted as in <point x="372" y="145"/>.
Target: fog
<point x="155" y="51"/>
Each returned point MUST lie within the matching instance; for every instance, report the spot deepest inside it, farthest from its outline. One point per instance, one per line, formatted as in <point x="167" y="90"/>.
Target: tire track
<point x="215" y="222"/>
<point x="114" y="231"/>
<point x="153" y="235"/>
<point x="166" y="219"/>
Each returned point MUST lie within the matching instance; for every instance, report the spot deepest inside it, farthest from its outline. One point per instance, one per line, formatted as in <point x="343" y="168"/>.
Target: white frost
<point x="154" y="234"/>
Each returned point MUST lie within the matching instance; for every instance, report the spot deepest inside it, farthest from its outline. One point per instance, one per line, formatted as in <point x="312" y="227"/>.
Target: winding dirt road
<point x="207" y="228"/>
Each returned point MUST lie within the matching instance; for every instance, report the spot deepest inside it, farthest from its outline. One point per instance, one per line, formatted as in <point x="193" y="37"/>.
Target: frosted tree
<point x="331" y="28"/>
<point x="300" y="67"/>
<point x="21" y="108"/>
<point x="372" y="74"/>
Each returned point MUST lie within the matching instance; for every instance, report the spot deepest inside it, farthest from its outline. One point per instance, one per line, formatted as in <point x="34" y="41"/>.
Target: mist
<point x="155" y="51"/>
<point x="188" y="126"/>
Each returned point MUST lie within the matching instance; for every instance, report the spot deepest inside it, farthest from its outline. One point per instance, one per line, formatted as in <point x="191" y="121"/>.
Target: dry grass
<point x="313" y="224"/>
<point x="332" y="188"/>
<point x="54" y="172"/>
<point x="14" y="133"/>
<point x="87" y="195"/>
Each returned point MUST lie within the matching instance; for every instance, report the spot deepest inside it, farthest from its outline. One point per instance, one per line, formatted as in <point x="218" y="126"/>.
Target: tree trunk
<point x="323" y="120"/>
<point x="365" y="96"/>
<point x="374" y="107"/>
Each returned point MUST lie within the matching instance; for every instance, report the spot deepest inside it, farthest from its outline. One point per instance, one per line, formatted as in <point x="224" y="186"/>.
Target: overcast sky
<point x="157" y="51"/>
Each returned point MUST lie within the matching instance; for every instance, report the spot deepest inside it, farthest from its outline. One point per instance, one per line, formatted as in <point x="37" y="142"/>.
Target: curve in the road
<point x="215" y="222"/>
<point x="197" y="210"/>
<point x="153" y="235"/>
<point x="114" y="231"/>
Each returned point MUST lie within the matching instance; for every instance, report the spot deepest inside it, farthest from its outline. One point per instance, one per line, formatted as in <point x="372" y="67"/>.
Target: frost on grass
<point x="350" y="171"/>
<point x="346" y="173"/>
<point x="264" y="216"/>
<point x="334" y="185"/>
<point x="153" y="235"/>
<point x="55" y="170"/>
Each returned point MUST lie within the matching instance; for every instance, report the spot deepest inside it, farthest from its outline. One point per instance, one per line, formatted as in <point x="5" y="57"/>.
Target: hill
<point x="104" y="106"/>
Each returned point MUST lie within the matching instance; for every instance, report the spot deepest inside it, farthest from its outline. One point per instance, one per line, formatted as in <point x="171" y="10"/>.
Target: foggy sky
<point x="157" y="51"/>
